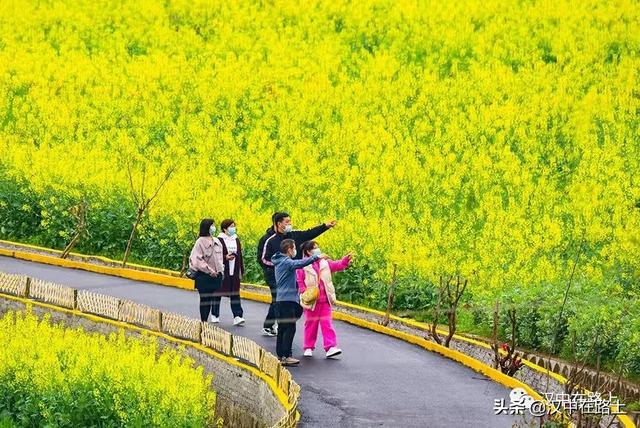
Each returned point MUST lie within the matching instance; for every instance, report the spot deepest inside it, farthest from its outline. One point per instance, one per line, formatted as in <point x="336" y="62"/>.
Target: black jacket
<point x="269" y="244"/>
<point x="266" y="235"/>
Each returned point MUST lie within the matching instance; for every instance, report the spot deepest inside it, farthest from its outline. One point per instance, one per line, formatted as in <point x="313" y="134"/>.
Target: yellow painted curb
<point x="134" y="274"/>
<point x="185" y="283"/>
<point x="155" y="278"/>
<point x="86" y="256"/>
<point x="425" y="327"/>
<point x="452" y="354"/>
<point x="282" y="397"/>
<point x="478" y="366"/>
<point x="624" y="420"/>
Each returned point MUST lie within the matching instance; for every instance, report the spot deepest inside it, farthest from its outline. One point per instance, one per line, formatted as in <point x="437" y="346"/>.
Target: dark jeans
<point x="206" y="286"/>
<point x="236" y="306"/>
<point x="272" y="315"/>
<point x="288" y="314"/>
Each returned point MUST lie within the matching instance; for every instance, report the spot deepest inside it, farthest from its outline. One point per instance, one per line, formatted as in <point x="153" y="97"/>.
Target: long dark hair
<point x="205" y="224"/>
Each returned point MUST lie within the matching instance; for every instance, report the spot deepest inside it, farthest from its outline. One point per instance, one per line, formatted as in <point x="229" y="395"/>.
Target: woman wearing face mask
<point x="206" y="261"/>
<point x="317" y="310"/>
<point x="233" y="271"/>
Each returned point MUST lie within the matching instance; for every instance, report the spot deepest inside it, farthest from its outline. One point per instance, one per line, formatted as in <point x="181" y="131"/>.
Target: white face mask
<point x="288" y="228"/>
<point x="294" y="254"/>
<point x="212" y="230"/>
<point x="316" y="252"/>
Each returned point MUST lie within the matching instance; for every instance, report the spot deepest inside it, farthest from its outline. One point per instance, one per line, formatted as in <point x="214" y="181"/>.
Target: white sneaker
<point x="308" y="352"/>
<point x="333" y="352"/>
<point x="214" y="320"/>
<point x="238" y="321"/>
<point x="274" y="329"/>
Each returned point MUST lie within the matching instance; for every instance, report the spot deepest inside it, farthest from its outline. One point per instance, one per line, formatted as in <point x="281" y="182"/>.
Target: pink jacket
<point x="334" y="266"/>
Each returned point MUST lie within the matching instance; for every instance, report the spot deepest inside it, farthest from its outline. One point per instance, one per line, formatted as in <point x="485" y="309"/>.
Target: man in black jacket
<point x="269" y="244"/>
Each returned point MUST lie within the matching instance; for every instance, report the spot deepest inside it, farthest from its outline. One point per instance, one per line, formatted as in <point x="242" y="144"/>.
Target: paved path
<point x="379" y="381"/>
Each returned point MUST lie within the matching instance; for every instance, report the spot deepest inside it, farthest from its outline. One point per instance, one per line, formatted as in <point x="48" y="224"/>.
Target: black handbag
<point x="191" y="274"/>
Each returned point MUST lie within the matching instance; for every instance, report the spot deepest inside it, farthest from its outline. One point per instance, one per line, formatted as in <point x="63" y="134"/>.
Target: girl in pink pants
<point x="318" y="313"/>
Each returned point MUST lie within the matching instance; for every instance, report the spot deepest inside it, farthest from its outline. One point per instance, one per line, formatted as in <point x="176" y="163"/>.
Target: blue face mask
<point x="231" y="231"/>
<point x="212" y="230"/>
<point x="316" y="252"/>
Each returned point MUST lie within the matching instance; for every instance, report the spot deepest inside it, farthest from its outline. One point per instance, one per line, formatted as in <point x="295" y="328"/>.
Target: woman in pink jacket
<point x="318" y="313"/>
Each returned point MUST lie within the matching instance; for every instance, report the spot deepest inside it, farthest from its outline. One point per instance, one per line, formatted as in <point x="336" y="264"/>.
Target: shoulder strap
<point x="224" y="246"/>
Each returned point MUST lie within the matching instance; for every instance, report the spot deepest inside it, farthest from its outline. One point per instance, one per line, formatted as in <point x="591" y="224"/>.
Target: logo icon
<point x="520" y="399"/>
<point x="519" y="402"/>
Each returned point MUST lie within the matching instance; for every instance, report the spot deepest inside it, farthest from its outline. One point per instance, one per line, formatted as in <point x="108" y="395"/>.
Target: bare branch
<point x="132" y="187"/>
<point x="144" y="177"/>
<point x="566" y="296"/>
<point x="161" y="185"/>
